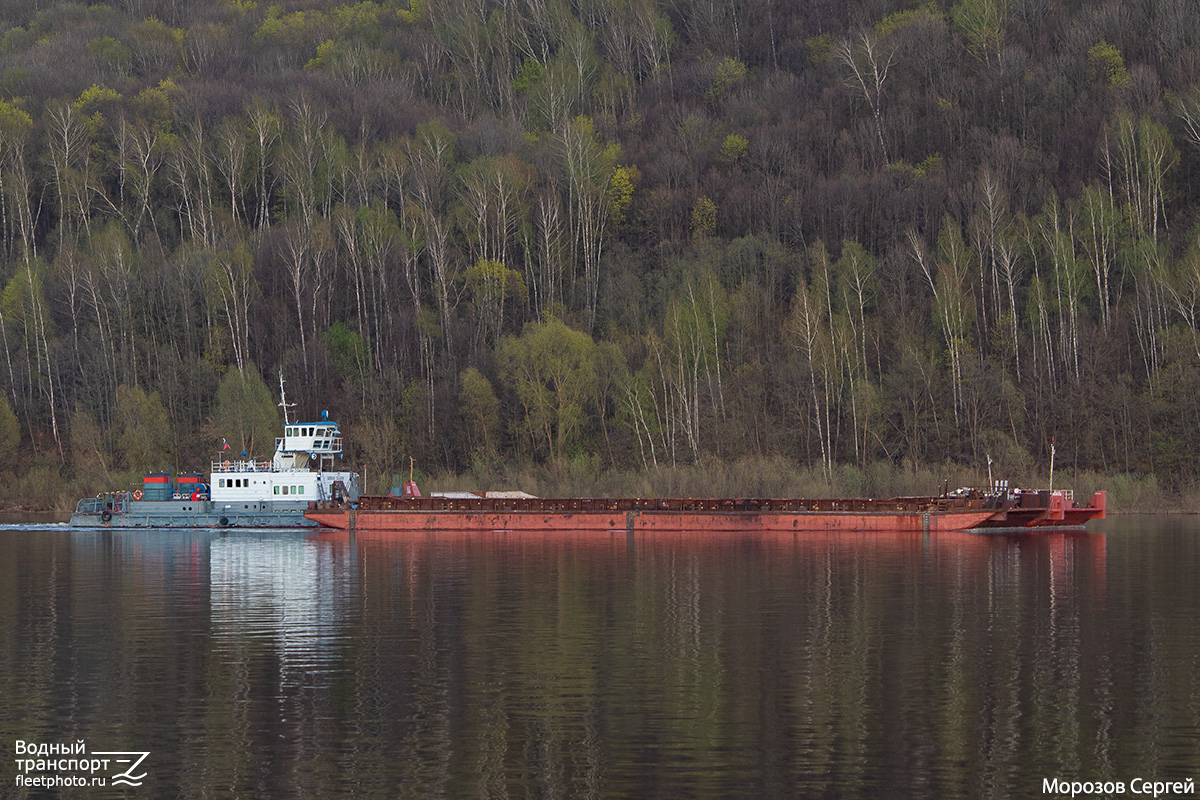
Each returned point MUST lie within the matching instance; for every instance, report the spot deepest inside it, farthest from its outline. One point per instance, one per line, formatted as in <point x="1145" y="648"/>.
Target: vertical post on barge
<point x="1052" y="465"/>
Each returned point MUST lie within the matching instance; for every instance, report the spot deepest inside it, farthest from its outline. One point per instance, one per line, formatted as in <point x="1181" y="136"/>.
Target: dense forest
<point x="623" y="234"/>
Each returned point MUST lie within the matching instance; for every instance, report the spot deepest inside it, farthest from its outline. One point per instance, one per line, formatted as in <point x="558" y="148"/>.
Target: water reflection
<point x="282" y="594"/>
<point x="598" y="665"/>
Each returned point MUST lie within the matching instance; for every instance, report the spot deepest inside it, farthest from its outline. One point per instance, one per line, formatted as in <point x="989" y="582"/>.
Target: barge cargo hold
<point x="715" y="515"/>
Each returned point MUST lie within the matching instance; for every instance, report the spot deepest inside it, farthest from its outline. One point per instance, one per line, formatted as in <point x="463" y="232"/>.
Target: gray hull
<point x="196" y="514"/>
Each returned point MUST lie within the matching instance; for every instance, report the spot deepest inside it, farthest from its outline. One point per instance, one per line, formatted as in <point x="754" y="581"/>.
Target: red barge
<point x="716" y="515"/>
<point x="965" y="509"/>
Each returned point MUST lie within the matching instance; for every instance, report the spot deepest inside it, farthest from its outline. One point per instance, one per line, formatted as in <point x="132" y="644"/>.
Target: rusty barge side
<point x="716" y="515"/>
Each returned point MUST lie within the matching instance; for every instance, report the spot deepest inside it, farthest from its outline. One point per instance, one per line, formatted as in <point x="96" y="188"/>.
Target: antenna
<point x="283" y="403"/>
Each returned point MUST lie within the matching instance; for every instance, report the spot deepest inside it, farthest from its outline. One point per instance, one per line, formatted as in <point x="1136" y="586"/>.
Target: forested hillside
<point x="628" y="232"/>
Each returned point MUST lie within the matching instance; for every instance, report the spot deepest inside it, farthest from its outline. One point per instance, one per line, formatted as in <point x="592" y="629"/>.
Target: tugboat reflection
<point x="284" y="594"/>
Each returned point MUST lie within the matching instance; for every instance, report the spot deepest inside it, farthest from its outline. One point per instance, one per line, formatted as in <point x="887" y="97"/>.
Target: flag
<point x="224" y="445"/>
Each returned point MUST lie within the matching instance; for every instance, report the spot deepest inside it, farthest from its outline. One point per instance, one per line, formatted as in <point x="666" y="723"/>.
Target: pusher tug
<point x="240" y="492"/>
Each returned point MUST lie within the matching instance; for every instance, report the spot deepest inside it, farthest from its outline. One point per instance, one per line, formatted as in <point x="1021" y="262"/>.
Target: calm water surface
<point x="288" y="664"/>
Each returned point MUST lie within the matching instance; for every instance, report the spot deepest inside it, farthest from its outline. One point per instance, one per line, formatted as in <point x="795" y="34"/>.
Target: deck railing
<point x="671" y="504"/>
<point x="230" y="465"/>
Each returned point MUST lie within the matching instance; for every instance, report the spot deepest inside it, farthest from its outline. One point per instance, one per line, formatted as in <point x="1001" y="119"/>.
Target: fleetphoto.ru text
<point x="51" y="766"/>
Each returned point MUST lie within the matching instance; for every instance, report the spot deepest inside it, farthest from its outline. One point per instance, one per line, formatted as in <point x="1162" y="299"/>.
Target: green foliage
<point x="1129" y="491"/>
<point x="696" y="322"/>
<point x="1105" y="63"/>
<point x="230" y="272"/>
<point x="328" y="53"/>
<point x="40" y="488"/>
<point x="246" y="414"/>
<point x="931" y="165"/>
<point x="1168" y="454"/>
<point x="620" y="192"/>
<point x="153" y="104"/>
<point x="15" y="122"/>
<point x="23" y="296"/>
<point x="93" y="102"/>
<point x="728" y="75"/>
<point x="585" y="128"/>
<point x="491" y="283"/>
<point x="704" y="217"/>
<point x="16" y="40"/>
<point x="436" y="138"/>
<point x="290" y="30"/>
<point x="96" y="96"/>
<point x="480" y="409"/>
<point x="144" y="430"/>
<point x="413" y="14"/>
<point x="10" y="433"/>
<point x="14" y="81"/>
<point x="347" y="349"/>
<point x="90" y="449"/>
<point x="492" y="286"/>
<point x="982" y="23"/>
<point x="549" y="368"/>
<point x="528" y="75"/>
<point x="610" y="155"/>
<point x="900" y="19"/>
<point x="734" y="148"/>
<point x="359" y="21"/>
<point x="156" y="45"/>
<point x="109" y="51"/>
<point x="856" y="273"/>
<point x="382" y="450"/>
<point x="820" y="49"/>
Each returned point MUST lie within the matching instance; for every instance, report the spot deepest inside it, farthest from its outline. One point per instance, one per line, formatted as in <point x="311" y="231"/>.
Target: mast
<point x="283" y="403"/>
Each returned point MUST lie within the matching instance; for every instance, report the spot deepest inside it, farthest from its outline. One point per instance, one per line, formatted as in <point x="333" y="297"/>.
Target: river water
<point x="292" y="664"/>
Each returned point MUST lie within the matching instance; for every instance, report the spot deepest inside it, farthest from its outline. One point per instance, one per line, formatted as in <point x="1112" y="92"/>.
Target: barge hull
<point x="648" y="521"/>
